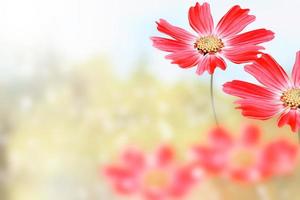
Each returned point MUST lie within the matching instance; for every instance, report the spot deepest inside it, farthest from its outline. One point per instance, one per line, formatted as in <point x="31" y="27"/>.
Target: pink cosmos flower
<point x="281" y="156"/>
<point x="245" y="159"/>
<point x="153" y="177"/>
<point x="278" y="94"/>
<point x="237" y="159"/>
<point x="210" y="45"/>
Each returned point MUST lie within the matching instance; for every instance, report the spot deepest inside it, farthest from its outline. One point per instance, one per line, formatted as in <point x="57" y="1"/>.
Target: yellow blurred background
<point x="60" y="134"/>
<point x="80" y="81"/>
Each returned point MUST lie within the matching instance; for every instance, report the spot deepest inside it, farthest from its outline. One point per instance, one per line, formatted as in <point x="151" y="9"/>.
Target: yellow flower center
<point x="242" y="158"/>
<point x="291" y="98"/>
<point x="156" y="178"/>
<point x="209" y="44"/>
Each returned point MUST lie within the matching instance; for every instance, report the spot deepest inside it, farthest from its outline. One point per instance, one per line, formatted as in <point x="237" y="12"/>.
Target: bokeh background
<point x="80" y="81"/>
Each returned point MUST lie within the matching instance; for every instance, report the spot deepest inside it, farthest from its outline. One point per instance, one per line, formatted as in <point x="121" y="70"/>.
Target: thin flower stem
<point x="212" y="99"/>
<point x="299" y="136"/>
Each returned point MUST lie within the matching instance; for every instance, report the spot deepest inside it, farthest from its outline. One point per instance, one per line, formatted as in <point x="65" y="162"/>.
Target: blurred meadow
<point x="80" y="82"/>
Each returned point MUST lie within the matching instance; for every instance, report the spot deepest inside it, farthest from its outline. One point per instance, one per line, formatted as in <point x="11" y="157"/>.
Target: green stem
<point x="212" y="99"/>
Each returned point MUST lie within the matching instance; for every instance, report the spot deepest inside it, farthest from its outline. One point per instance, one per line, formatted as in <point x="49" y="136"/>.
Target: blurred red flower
<point x="245" y="159"/>
<point x="278" y="95"/>
<point x="154" y="177"/>
<point x="238" y="159"/>
<point x="207" y="49"/>
<point x="281" y="156"/>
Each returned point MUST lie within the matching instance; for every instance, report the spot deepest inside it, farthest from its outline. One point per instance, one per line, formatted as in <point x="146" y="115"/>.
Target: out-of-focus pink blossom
<point x="245" y="158"/>
<point x="281" y="157"/>
<point x="238" y="159"/>
<point x="152" y="177"/>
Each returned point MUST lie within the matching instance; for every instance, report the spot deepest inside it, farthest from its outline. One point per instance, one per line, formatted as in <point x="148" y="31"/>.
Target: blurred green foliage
<point x="58" y="146"/>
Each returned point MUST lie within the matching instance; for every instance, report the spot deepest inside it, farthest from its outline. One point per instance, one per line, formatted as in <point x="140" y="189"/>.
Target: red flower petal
<point x="248" y="91"/>
<point x="170" y="45"/>
<point x="185" y="177"/>
<point x="292" y="118"/>
<point x="175" y="32"/>
<point x="133" y="158"/>
<point x="164" y="155"/>
<point x="150" y="194"/>
<point x="281" y="157"/>
<point x="123" y="180"/>
<point x="210" y="63"/>
<point x="296" y="71"/>
<point x="269" y="73"/>
<point x="189" y="174"/>
<point x="211" y="159"/>
<point x="234" y="21"/>
<point x="247" y="175"/>
<point x="118" y="172"/>
<point x="251" y="135"/>
<point x="242" y="54"/>
<point x="185" y="59"/>
<point x="251" y="38"/>
<point x="200" y="19"/>
<point x="220" y="138"/>
<point x="126" y="186"/>
<point x="257" y="102"/>
<point x="256" y="109"/>
<point x="203" y="65"/>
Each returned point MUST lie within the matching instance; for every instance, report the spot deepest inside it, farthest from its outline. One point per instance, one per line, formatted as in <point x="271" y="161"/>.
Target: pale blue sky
<point x="274" y="15"/>
<point x="80" y="29"/>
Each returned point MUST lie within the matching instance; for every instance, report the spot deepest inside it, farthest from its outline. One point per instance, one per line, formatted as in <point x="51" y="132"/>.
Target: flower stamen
<point x="291" y="98"/>
<point x="156" y="178"/>
<point x="209" y="44"/>
<point x="242" y="158"/>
